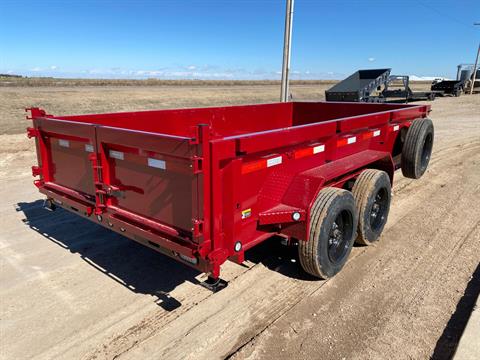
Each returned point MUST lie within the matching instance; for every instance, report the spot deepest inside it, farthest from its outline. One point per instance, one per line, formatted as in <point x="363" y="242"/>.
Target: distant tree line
<point x="11" y="75"/>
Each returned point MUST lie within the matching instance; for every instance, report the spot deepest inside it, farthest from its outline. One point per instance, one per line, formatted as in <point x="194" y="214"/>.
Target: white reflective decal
<point x="318" y="149"/>
<point x="351" y="140"/>
<point x="188" y="259"/>
<point x="64" y="143"/>
<point x="274" y="161"/>
<point x="396" y="127"/>
<point x="376" y="133"/>
<point x="160" y="164"/>
<point x="88" y="147"/>
<point x="116" y="154"/>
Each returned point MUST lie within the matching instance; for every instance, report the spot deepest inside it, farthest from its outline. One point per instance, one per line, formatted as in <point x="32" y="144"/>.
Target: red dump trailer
<point x="205" y="185"/>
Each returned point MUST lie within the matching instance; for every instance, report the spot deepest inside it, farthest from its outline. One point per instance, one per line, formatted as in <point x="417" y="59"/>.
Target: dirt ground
<point x="70" y="289"/>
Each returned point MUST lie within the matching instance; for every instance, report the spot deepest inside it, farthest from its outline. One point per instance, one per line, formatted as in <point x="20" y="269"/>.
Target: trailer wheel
<point x="417" y="149"/>
<point x="333" y="223"/>
<point x="372" y="192"/>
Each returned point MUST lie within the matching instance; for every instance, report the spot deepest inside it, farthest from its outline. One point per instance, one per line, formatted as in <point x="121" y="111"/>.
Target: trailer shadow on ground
<point x="138" y="268"/>
<point x="130" y="264"/>
<point x="448" y="341"/>
<point x="279" y="258"/>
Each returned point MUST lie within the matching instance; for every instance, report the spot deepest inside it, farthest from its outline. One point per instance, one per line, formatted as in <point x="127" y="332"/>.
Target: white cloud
<point x="191" y="67"/>
<point x="53" y="67"/>
<point x="36" y="69"/>
<point x="371" y="59"/>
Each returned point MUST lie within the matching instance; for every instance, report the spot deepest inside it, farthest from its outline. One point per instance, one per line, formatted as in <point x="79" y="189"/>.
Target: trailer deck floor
<point x="89" y="293"/>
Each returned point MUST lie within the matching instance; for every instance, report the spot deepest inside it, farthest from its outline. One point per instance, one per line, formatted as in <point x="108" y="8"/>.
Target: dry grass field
<point x="93" y="96"/>
<point x="71" y="289"/>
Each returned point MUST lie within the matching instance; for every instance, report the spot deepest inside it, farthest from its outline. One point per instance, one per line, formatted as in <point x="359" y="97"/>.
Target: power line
<point x="447" y="16"/>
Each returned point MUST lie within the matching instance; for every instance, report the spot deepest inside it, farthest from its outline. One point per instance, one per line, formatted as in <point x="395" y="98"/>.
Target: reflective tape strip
<point x="156" y="163"/>
<point x="64" y="143"/>
<point x="188" y="259"/>
<point x="253" y="166"/>
<point x="347" y="141"/>
<point x="116" y="154"/>
<point x="274" y="161"/>
<point x="88" y="147"/>
<point x="367" y="135"/>
<point x="371" y="134"/>
<point x="311" y="150"/>
<point x="300" y="153"/>
<point x="395" y="127"/>
<point x="261" y="164"/>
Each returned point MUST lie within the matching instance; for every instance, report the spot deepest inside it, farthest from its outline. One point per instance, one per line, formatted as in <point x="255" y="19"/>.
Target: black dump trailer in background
<point x="376" y="85"/>
<point x="463" y="83"/>
<point x="450" y="87"/>
<point x="359" y="86"/>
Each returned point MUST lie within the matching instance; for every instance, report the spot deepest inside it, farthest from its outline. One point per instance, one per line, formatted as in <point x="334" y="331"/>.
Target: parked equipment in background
<point x="467" y="74"/>
<point x="205" y="185"/>
<point x="397" y="89"/>
<point x="376" y="85"/>
<point x="449" y="87"/>
<point x="462" y="83"/>
<point x="359" y="87"/>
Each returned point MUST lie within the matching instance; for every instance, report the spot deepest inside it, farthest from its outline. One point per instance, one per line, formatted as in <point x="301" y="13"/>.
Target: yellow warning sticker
<point x="246" y="213"/>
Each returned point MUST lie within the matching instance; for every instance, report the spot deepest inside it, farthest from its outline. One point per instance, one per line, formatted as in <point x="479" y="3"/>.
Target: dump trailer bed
<point x="359" y="86"/>
<point x="374" y="85"/>
<point x="205" y="185"/>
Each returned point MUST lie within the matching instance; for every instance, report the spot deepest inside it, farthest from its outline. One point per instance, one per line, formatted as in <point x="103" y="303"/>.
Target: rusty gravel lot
<point x="70" y="289"/>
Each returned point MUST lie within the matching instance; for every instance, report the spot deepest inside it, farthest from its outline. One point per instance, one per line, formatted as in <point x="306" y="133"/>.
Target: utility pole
<point x="287" y="46"/>
<point x="475" y="67"/>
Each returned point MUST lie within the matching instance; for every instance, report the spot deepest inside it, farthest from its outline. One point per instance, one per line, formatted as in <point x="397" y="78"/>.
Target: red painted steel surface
<point x="191" y="183"/>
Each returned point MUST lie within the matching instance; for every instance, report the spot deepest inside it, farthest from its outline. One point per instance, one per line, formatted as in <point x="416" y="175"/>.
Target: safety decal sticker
<point x="246" y="213"/>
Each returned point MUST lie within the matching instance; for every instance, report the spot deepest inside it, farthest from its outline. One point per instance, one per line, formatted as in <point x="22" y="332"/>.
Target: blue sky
<point x="240" y="39"/>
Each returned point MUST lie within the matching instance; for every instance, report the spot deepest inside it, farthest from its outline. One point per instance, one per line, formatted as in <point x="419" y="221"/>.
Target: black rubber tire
<point x="373" y="194"/>
<point x="317" y="254"/>
<point x="417" y="149"/>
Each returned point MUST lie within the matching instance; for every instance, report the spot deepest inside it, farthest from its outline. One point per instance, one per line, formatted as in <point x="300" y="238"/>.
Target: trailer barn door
<point x="149" y="179"/>
<point x="64" y="159"/>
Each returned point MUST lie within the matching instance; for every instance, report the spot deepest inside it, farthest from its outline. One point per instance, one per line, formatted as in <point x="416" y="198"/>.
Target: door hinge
<point x="197" y="164"/>
<point x="32" y="132"/>
<point x="36" y="170"/>
<point x="197" y="227"/>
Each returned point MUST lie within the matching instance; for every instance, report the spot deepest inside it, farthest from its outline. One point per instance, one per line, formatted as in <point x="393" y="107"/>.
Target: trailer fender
<point x="305" y="186"/>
